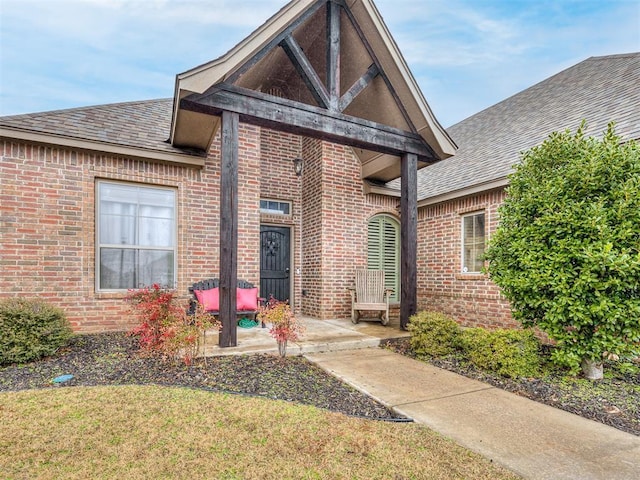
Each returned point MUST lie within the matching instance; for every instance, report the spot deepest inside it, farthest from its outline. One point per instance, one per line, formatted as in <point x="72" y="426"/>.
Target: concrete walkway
<point x="534" y="440"/>
<point x="531" y="439"/>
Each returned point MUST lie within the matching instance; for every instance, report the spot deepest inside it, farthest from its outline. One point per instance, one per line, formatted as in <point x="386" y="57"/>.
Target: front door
<point x="275" y="262"/>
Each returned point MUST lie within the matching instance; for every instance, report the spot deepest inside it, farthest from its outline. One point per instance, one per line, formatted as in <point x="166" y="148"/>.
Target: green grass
<point x="159" y="432"/>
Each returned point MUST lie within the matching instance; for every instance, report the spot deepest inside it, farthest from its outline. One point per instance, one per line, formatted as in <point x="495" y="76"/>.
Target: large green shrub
<point x="433" y="334"/>
<point x="511" y="353"/>
<point x="30" y="329"/>
<point x="567" y="251"/>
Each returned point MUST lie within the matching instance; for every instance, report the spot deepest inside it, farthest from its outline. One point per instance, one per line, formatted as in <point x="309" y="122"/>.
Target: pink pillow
<point x="246" y="299"/>
<point x="210" y="299"/>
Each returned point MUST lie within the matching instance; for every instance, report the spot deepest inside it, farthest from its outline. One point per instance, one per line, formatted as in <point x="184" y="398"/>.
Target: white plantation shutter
<point x="383" y="250"/>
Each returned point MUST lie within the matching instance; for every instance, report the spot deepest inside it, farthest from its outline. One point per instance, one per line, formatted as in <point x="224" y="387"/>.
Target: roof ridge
<point x="616" y="55"/>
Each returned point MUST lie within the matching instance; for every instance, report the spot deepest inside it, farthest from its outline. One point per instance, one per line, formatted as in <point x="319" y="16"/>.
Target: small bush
<point x="434" y="334"/>
<point x="30" y="329"/>
<point x="165" y="328"/>
<point x="511" y="353"/>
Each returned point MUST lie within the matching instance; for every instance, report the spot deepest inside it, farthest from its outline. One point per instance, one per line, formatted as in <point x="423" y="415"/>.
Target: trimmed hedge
<point x="511" y="353"/>
<point x="30" y="329"/>
<point x="434" y="334"/>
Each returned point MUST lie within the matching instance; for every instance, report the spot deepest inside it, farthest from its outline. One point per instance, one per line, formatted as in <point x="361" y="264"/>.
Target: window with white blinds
<point x="383" y="250"/>
<point x="473" y="242"/>
<point x="136" y="236"/>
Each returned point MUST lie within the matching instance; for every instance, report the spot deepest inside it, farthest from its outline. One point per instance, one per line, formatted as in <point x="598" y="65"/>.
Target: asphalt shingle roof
<point x="143" y="124"/>
<point x="599" y="90"/>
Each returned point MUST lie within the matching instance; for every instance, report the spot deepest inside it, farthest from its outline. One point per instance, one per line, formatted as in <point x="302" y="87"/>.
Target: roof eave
<point x="429" y="127"/>
<point x="100" y="147"/>
<point x="199" y="79"/>
<point x="465" y="192"/>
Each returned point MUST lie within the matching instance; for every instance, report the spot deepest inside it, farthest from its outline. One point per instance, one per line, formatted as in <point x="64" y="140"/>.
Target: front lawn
<point x="169" y="432"/>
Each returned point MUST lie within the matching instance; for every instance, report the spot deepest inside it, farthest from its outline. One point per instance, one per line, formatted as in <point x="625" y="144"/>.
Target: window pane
<point x="117" y="270"/>
<point x="117" y="229"/>
<point x="135" y="216"/>
<point x="275" y="207"/>
<point x="473" y="243"/>
<point x="155" y="266"/>
<point x="155" y="197"/>
<point x="155" y="232"/>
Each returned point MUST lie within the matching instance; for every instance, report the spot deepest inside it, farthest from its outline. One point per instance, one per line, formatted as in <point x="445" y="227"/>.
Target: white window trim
<point x="276" y="212"/>
<point x="462" y="244"/>
<point x="98" y="245"/>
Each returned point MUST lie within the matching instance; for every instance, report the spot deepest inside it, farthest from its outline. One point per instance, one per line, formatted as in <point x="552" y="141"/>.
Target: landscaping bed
<point x="114" y="359"/>
<point x="614" y="400"/>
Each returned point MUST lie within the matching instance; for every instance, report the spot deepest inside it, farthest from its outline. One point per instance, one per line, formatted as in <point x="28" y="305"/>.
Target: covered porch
<point x="328" y="72"/>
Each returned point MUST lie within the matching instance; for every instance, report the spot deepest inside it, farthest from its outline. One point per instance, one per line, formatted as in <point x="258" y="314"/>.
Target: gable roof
<point x="258" y="63"/>
<point x="159" y="129"/>
<point x="599" y="90"/>
<point x="138" y="129"/>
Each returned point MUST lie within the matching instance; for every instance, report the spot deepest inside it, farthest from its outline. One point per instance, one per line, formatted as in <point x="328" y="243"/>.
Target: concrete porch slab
<point x="319" y="336"/>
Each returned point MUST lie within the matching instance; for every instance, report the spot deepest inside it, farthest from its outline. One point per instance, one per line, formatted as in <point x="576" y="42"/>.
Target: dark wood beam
<point x="305" y="70"/>
<point x="228" y="228"/>
<point x="293" y="26"/>
<point x="333" y="54"/>
<point x="374" y="57"/>
<point x="357" y="88"/>
<point x="293" y="117"/>
<point x="408" y="238"/>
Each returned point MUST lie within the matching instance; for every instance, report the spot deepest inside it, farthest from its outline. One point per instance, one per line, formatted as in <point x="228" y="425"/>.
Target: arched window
<point x="383" y="250"/>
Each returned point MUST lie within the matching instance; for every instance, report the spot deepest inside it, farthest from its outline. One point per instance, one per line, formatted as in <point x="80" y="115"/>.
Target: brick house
<point x="459" y="197"/>
<point x="98" y="200"/>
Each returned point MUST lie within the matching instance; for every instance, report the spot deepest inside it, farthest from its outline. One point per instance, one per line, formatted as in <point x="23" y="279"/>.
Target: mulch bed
<point x="114" y="359"/>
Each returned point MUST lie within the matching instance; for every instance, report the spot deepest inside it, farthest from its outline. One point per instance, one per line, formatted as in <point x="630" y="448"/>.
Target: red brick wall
<point x="47" y="227"/>
<point x="335" y="216"/>
<point x="312" y="228"/>
<point x="47" y="223"/>
<point x="472" y="299"/>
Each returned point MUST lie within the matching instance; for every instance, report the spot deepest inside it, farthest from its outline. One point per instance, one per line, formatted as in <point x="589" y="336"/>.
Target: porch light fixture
<point x="298" y="165"/>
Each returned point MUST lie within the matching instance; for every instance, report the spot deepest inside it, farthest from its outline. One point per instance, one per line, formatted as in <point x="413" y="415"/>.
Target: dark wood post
<point x="333" y="54"/>
<point x="228" y="228"/>
<point x="409" y="238"/>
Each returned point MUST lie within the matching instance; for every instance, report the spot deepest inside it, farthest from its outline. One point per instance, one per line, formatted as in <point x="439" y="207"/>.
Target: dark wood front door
<point x="275" y="262"/>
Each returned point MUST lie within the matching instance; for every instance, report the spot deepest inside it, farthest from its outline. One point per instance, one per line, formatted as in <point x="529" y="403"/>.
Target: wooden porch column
<point x="228" y="228"/>
<point x="409" y="238"/>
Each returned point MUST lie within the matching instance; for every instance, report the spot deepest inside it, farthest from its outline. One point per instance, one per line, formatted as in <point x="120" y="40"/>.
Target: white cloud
<point x="466" y="54"/>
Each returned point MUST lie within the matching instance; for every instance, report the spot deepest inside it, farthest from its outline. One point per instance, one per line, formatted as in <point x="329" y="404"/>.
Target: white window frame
<point x="98" y="245"/>
<point x="463" y="257"/>
<point x="276" y="212"/>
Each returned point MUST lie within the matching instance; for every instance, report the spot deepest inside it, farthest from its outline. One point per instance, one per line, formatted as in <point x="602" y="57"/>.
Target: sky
<point x="466" y="55"/>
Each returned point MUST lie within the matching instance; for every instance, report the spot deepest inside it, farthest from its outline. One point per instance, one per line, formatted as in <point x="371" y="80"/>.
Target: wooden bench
<point x="207" y="293"/>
